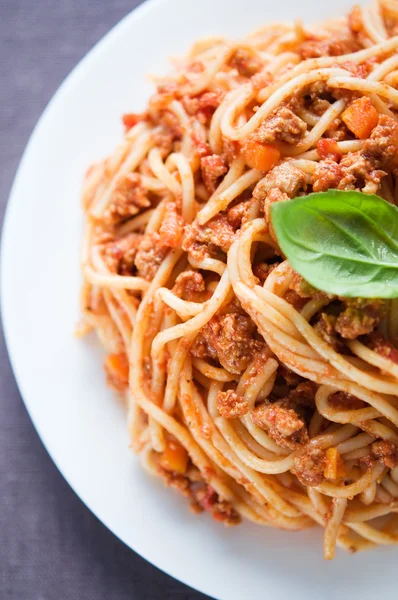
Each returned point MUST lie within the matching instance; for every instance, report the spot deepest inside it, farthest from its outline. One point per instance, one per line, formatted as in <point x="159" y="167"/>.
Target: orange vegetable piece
<point x="117" y="371"/>
<point x="174" y="457"/>
<point x="131" y="119"/>
<point x="361" y="117"/>
<point x="263" y="157"/>
<point x="328" y="148"/>
<point x="335" y="467"/>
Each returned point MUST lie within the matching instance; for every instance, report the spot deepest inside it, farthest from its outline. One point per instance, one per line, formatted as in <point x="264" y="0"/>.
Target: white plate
<point x="61" y="378"/>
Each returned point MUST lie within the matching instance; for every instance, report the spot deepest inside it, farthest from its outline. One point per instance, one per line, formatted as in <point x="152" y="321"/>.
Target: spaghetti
<point x="254" y="394"/>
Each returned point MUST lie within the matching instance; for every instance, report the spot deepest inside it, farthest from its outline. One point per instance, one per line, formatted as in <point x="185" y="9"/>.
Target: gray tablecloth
<point x="51" y="546"/>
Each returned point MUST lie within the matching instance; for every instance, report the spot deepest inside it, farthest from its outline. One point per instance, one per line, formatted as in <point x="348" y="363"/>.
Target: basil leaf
<point x="344" y="243"/>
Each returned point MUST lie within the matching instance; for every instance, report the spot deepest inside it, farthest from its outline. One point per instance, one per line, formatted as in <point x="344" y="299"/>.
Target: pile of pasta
<point x="254" y="394"/>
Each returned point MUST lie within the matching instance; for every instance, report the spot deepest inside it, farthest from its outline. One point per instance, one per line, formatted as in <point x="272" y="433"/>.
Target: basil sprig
<point x="343" y="243"/>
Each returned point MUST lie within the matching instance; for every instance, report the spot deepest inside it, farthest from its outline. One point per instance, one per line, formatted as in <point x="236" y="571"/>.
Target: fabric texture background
<point x="51" y="546"/>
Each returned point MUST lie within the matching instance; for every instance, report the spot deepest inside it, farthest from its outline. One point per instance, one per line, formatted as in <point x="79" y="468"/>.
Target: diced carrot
<point x="335" y="467"/>
<point x="131" y="119"/>
<point x="355" y="22"/>
<point x="117" y="371"/>
<point x="263" y="157"/>
<point x="361" y="117"/>
<point x="328" y="148"/>
<point x="174" y="457"/>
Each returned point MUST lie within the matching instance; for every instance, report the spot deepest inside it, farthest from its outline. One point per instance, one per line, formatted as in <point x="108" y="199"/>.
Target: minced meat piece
<point x="244" y="61"/>
<point x="170" y="124"/>
<point x="281" y="183"/>
<point x="200" y="145"/>
<point x="164" y="140"/>
<point x="151" y="253"/>
<point x="259" y="360"/>
<point x="303" y="394"/>
<point x="213" y="167"/>
<point x="327" y="175"/>
<point x="168" y="132"/>
<point x="379" y="344"/>
<point x="282" y="424"/>
<point x="282" y="126"/>
<point x="359" y="172"/>
<point x="230" y="405"/>
<point x="227" y="339"/>
<point x="201" y="495"/>
<point x="180" y="482"/>
<point x="273" y="196"/>
<point x="327" y="47"/>
<point x="211" y="100"/>
<point x="128" y="198"/>
<point x="302" y="287"/>
<point x="294" y="299"/>
<point x="306" y="290"/>
<point x="290" y="377"/>
<point x="196" y="66"/>
<point x="231" y="150"/>
<point x="261" y="270"/>
<point x="260" y="80"/>
<point x="220" y="232"/>
<point x="119" y="254"/>
<point x="216" y="233"/>
<point x="386" y="452"/>
<point x="309" y="466"/>
<point x="359" y="318"/>
<point x="239" y="214"/>
<point x="192" y="244"/>
<point x="382" y="146"/>
<point x="361" y="70"/>
<point x="287" y="178"/>
<point x="363" y="169"/>
<point x="203" y="105"/>
<point x="391" y="25"/>
<point x="337" y="130"/>
<point x="325" y="326"/>
<point x="345" y="401"/>
<point x="221" y="510"/>
<point x="318" y="97"/>
<point x="188" y="284"/>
